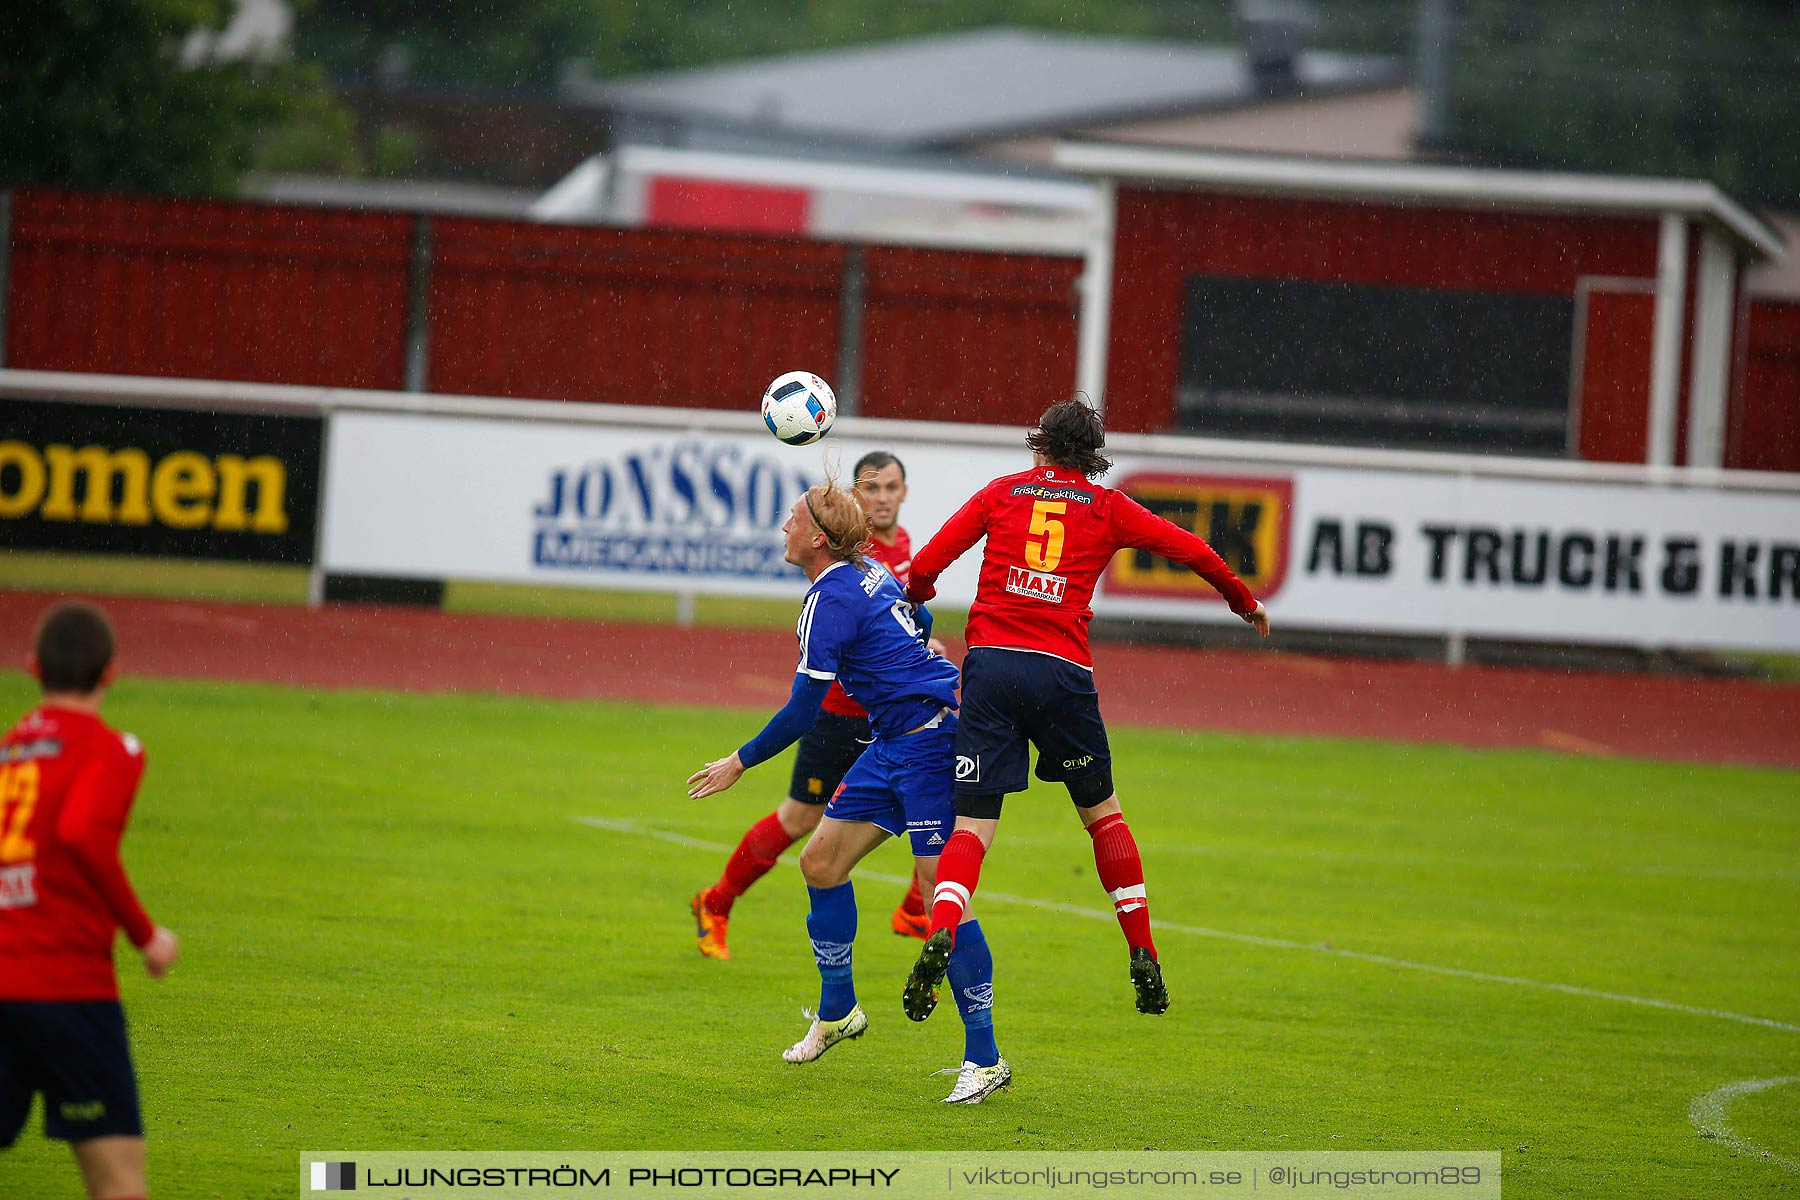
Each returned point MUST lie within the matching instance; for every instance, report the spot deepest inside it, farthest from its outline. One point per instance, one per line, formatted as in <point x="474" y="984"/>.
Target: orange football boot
<point x="709" y="928"/>
<point x="911" y="924"/>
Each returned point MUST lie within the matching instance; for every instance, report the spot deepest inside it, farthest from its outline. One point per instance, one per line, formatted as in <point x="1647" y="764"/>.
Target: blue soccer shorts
<point x="903" y="785"/>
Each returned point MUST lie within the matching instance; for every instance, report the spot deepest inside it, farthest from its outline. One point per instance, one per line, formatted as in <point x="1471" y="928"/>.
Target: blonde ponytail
<point x="839" y="515"/>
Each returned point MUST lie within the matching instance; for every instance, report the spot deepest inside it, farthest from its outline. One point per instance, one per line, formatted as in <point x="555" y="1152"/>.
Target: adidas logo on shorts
<point x="936" y="839"/>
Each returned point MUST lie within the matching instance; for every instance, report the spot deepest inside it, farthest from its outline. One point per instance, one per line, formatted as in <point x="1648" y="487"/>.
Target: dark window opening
<point x="1376" y="365"/>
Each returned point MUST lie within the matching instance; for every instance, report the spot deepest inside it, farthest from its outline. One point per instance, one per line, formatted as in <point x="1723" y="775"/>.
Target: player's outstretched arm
<point x="783" y="730"/>
<point x="1135" y="525"/>
<point x="946" y="546"/>
<point x="715" y="776"/>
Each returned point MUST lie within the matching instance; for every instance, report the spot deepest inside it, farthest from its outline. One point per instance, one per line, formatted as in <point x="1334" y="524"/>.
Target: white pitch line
<point x="1251" y="939"/>
<point x="1708" y="1115"/>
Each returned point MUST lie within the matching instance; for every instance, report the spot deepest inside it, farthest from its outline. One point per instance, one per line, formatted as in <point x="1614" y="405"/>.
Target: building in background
<point x="1425" y="306"/>
<point x="961" y="123"/>
<point x="984" y="91"/>
<point x="890" y="199"/>
<point x="1248" y="237"/>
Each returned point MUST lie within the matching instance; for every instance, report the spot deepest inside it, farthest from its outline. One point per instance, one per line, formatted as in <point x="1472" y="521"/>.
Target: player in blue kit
<point x="856" y="627"/>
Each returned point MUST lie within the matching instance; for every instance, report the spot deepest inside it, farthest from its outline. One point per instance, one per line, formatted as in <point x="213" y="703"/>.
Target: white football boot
<point x="825" y="1034"/>
<point x="975" y="1084"/>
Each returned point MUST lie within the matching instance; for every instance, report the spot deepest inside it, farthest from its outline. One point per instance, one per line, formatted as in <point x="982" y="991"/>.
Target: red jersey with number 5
<point x="66" y="787"/>
<point x="898" y="559"/>
<point x="1050" y="533"/>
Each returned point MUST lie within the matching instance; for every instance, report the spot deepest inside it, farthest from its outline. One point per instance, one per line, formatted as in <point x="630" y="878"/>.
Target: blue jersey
<point x="857" y="628"/>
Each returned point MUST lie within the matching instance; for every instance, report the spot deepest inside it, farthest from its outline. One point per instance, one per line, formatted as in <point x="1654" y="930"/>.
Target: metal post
<point x="852" y="292"/>
<point x="1709" y="381"/>
<point x="6" y="214"/>
<point x="418" y="300"/>
<point x="1456" y="636"/>
<point x="1431" y="58"/>
<point x="1096" y="297"/>
<point x="1665" y="354"/>
<point x="315" y="579"/>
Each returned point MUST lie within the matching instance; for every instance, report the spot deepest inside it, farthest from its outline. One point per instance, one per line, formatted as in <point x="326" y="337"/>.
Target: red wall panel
<point x="963" y="336"/>
<point x="1614" y="416"/>
<point x="207" y="290"/>
<point x="626" y="316"/>
<point x="1165" y="235"/>
<point x="1765" y="428"/>
<point x="303" y="295"/>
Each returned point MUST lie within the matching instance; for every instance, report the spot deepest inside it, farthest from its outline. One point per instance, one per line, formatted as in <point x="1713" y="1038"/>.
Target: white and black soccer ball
<point x="799" y="408"/>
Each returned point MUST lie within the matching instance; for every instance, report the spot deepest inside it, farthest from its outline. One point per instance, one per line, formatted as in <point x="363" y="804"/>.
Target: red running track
<point x="355" y="646"/>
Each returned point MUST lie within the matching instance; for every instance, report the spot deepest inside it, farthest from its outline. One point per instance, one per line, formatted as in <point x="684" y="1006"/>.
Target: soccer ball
<point x="799" y="408"/>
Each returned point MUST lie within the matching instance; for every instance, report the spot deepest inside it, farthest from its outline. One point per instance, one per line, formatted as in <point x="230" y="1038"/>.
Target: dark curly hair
<point x="1070" y="434"/>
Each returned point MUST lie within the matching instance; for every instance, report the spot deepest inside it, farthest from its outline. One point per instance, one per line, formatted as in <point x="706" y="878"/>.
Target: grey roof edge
<point x="1005" y="131"/>
<point x="1357" y="72"/>
<point x="1400" y="182"/>
<point x="1376" y="81"/>
<point x="852" y="50"/>
<point x="439" y="197"/>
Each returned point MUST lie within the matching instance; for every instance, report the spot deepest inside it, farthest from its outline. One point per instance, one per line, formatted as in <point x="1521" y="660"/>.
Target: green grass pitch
<point x="398" y="935"/>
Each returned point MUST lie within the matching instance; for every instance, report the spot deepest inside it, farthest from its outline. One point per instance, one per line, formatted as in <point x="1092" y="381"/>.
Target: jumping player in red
<point x="1028" y="676"/>
<point x="66" y="787"/>
<point x="826" y="753"/>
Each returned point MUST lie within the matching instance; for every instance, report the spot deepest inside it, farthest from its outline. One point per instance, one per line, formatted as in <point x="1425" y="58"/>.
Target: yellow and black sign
<point x="1245" y="520"/>
<point x="112" y="480"/>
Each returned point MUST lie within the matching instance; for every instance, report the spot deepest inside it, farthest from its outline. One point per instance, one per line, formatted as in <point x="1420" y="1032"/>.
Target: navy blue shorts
<point x="76" y="1053"/>
<point x="826" y="752"/>
<point x="902" y="785"/>
<point x="1014" y="697"/>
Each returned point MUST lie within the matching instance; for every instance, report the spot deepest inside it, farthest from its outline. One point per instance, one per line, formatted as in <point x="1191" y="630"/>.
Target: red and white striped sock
<point x="1122" y="875"/>
<point x="959" y="870"/>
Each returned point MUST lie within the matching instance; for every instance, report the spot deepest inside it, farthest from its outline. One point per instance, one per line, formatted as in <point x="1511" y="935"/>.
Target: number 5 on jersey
<point x="1046" y="555"/>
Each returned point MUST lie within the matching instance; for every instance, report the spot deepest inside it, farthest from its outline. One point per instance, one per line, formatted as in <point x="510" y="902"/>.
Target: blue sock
<point x="832" y="927"/>
<point x="971" y="977"/>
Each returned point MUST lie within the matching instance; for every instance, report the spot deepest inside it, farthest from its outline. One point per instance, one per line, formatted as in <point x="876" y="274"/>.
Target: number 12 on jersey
<point x="18" y="797"/>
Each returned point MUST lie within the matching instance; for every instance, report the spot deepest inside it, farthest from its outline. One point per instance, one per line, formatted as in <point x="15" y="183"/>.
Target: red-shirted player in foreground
<point x="66" y="786"/>
<point x="1028" y="676"/>
<point x="829" y="748"/>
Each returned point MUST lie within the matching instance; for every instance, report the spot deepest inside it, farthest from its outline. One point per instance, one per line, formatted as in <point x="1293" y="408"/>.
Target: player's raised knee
<point x="820" y="866"/>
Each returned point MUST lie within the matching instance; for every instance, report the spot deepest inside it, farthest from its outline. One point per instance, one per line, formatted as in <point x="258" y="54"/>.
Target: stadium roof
<point x="987" y="83"/>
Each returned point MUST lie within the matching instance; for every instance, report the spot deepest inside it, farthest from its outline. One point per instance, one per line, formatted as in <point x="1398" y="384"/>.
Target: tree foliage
<point x="527" y="43"/>
<point x="1702" y="88"/>
<point x="94" y="95"/>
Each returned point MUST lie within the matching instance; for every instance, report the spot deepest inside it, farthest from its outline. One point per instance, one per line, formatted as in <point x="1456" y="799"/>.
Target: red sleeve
<point x="946" y="546"/>
<point x="92" y="825"/>
<point x="1138" y="526"/>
